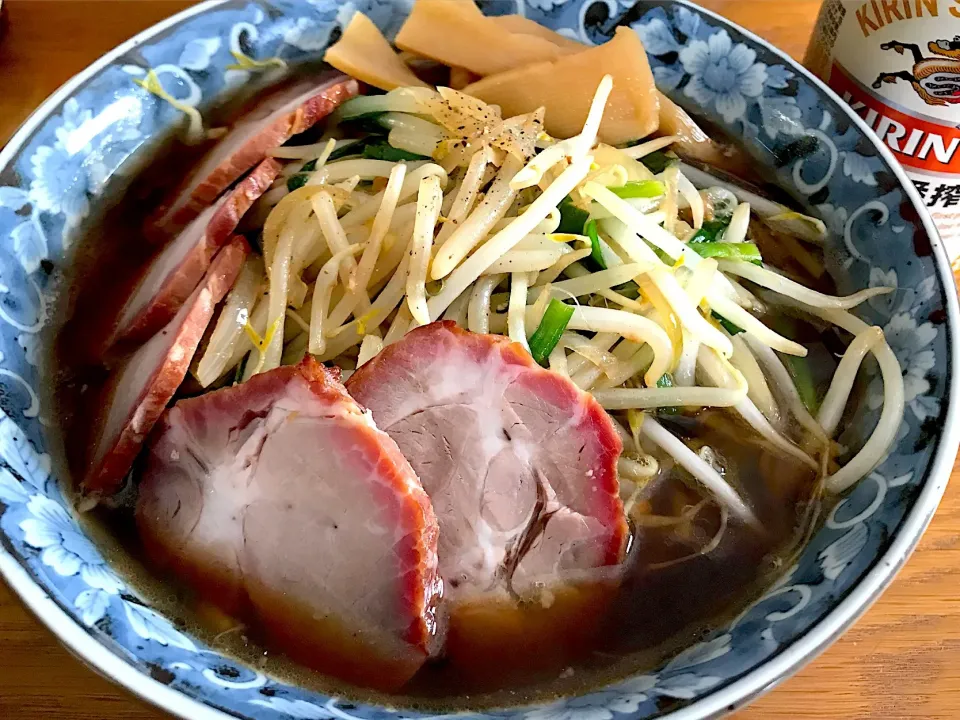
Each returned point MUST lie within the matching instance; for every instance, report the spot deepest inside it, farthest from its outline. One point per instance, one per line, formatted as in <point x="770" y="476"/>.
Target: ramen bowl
<point x="76" y="155"/>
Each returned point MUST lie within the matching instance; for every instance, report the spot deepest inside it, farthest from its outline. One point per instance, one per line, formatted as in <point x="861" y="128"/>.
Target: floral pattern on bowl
<point x="84" y="146"/>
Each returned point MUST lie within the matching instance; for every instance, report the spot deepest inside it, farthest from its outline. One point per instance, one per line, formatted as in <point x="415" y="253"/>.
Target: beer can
<point x="897" y="64"/>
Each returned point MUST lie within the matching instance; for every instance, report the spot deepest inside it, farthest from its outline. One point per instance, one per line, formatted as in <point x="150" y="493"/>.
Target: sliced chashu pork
<point x="520" y="466"/>
<point x="280" y="499"/>
<point x="269" y="124"/>
<point x="139" y="389"/>
<point x="173" y="275"/>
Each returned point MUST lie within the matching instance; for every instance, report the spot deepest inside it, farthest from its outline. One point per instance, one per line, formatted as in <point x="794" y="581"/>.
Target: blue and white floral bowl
<point x="82" y="147"/>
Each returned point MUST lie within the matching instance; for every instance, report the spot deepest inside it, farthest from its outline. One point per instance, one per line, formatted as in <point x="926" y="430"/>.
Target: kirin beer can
<point x="897" y="64"/>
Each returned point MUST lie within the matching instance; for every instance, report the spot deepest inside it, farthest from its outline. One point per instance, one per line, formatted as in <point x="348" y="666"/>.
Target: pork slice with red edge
<point x="171" y="277"/>
<point x="279" y="500"/>
<point x="139" y="389"/>
<point x="520" y="466"/>
<point x="269" y="124"/>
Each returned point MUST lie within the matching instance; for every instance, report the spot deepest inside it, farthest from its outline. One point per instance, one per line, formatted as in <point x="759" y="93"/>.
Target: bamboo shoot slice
<point x="565" y="87"/>
<point x="364" y="53"/>
<point x="456" y="33"/>
<point x="673" y="120"/>
<point x="526" y="26"/>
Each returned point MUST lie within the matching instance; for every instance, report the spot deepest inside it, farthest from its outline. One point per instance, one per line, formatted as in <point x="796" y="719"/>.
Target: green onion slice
<point x="572" y="218"/>
<point x="382" y="150"/>
<point x="548" y="332"/>
<point x="639" y="189"/>
<point x="596" y="252"/>
<point x="726" y="324"/>
<point x="729" y="251"/>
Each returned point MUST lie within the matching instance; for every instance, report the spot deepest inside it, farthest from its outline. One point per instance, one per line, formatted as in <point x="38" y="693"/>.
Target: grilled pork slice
<point x="269" y="124"/>
<point x="139" y="389"/>
<point x="174" y="274"/>
<point x="520" y="466"/>
<point x="281" y="501"/>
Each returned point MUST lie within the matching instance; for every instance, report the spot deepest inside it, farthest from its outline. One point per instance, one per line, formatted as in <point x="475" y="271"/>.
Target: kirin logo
<point x="935" y="79"/>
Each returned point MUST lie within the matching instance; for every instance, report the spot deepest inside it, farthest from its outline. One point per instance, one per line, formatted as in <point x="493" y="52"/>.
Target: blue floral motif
<point x="13" y="197"/>
<point x="29" y="243"/>
<point x="858" y="168"/>
<point x="686" y="21"/>
<point x="657" y="37"/>
<point x="60" y="182"/>
<point x="778" y="76"/>
<point x="668" y="78"/>
<point x="299" y="709"/>
<point x="11" y="491"/>
<point x="779" y="116"/>
<point x="723" y="73"/>
<point x="701" y="653"/>
<point x="17" y="453"/>
<point x="84" y="152"/>
<point x="151" y="626"/>
<point x="66" y="172"/>
<point x="30" y="344"/>
<point x="92" y="604"/>
<point x="546" y="5"/>
<point x="677" y="681"/>
<point x="67" y="552"/>
<point x="834" y="217"/>
<point x="308" y="35"/>
<point x="912" y="343"/>
<point x="198" y="53"/>
<point x="27" y="236"/>
<point x="835" y="558"/>
<point x="624" y="699"/>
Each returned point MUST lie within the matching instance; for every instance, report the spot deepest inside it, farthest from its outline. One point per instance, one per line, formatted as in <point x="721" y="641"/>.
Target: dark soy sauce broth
<point x="670" y="595"/>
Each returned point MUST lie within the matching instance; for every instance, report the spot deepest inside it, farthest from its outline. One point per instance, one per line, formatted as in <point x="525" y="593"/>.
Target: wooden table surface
<point x="902" y="660"/>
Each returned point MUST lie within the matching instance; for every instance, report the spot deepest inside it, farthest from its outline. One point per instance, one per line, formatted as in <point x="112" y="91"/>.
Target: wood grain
<point x="902" y="660"/>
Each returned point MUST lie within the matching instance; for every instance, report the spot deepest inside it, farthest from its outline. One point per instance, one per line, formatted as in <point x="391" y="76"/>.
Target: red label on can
<point x="916" y="142"/>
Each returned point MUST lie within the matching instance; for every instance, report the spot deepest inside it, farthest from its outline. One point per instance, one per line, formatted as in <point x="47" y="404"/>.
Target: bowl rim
<point x="103" y="660"/>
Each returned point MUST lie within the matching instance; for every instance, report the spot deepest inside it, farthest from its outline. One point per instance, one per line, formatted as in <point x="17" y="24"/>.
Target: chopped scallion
<point x="596" y="252"/>
<point x="548" y="332"/>
<point x="639" y="189"/>
<point x="572" y="218"/>
<point x="803" y="380"/>
<point x="372" y="146"/>
<point x="367" y="122"/>
<point x="352" y="148"/>
<point x="729" y="251"/>
<point x="629" y="290"/>
<point x="382" y="150"/>
<point x="726" y="324"/>
<point x="711" y="231"/>
<point x="664" y="258"/>
<point x="666" y="381"/>
<point x="657" y="161"/>
<point x="295" y="182"/>
<point x="241" y="366"/>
